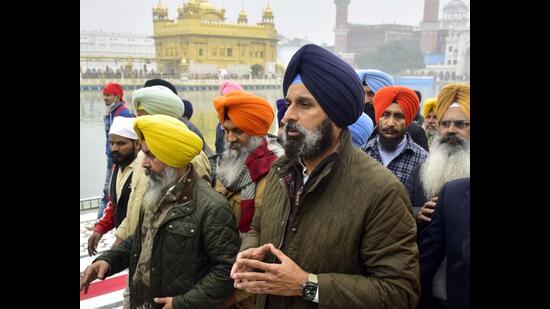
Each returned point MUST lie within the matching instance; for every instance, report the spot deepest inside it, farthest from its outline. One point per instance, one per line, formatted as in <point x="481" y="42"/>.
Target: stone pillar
<point x="341" y="28"/>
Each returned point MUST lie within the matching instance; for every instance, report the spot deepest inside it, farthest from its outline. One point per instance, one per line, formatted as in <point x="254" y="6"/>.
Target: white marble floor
<point x="108" y="300"/>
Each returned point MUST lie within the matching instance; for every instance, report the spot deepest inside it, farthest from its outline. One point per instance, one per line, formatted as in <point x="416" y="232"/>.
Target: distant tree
<point x="393" y="58"/>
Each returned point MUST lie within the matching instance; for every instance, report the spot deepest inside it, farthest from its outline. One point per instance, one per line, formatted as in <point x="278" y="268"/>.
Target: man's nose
<point x="146" y="163"/>
<point x="230" y="137"/>
<point x="290" y="114"/>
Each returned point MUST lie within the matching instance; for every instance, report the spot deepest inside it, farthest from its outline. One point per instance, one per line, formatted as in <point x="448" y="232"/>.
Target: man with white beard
<point x="248" y="152"/>
<point x="181" y="252"/>
<point x="449" y="159"/>
<point x="449" y="156"/>
<point x="246" y="160"/>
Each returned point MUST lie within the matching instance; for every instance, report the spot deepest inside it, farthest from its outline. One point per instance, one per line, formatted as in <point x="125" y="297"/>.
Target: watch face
<point x="310" y="290"/>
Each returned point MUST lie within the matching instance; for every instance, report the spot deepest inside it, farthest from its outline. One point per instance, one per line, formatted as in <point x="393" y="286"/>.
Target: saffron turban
<point x="332" y="82"/>
<point x="248" y="112"/>
<point x="113" y="89"/>
<point x="405" y="97"/>
<point x="459" y="93"/>
<point x="123" y="126"/>
<point x="429" y="105"/>
<point x="158" y="100"/>
<point x="375" y="79"/>
<point x="169" y="139"/>
<point x="281" y="109"/>
<point x="361" y="130"/>
<point x="228" y="86"/>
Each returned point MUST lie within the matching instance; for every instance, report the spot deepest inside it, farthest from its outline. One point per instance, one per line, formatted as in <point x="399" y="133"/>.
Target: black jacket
<point x="448" y="235"/>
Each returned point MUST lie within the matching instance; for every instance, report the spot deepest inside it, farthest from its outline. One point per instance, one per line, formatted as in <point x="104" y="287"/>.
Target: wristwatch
<point x="309" y="288"/>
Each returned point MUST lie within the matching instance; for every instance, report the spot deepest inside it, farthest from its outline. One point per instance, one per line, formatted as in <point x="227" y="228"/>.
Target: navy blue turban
<point x="331" y="81"/>
<point x="281" y="109"/>
<point x="188" y="109"/>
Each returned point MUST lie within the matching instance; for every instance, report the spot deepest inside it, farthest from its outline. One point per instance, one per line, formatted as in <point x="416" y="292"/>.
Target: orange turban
<point x="459" y="93"/>
<point x="248" y="112"/>
<point x="405" y="97"/>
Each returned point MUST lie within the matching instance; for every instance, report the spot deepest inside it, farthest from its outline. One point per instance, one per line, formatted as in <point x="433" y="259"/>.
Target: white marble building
<point x="116" y="50"/>
<point x="456" y="62"/>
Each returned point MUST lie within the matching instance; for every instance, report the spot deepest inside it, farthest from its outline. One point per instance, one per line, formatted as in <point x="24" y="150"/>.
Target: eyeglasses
<point x="459" y="124"/>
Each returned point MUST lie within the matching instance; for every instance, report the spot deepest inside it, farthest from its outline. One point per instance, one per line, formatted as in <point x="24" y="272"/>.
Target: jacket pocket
<point x="181" y="238"/>
<point x="183" y="229"/>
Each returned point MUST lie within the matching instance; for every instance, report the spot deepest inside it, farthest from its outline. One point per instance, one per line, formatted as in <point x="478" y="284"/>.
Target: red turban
<point x="114" y="89"/>
<point x="405" y="97"/>
<point x="248" y="112"/>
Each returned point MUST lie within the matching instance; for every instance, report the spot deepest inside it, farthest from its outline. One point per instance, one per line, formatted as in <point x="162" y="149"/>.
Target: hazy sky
<point x="313" y="19"/>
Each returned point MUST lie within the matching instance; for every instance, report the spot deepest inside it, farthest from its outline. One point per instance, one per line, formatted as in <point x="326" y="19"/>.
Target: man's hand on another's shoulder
<point x="426" y="212"/>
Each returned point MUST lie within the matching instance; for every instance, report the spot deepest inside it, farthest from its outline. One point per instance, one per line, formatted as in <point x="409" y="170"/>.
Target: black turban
<point x="331" y="81"/>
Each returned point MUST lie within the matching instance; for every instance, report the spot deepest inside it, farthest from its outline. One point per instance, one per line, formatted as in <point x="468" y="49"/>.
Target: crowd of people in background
<point x="361" y="199"/>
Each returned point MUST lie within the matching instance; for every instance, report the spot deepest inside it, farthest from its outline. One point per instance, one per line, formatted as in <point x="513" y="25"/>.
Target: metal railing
<point x="90" y="203"/>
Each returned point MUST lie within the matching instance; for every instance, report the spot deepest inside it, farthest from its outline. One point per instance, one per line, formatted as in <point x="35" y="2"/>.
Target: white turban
<point x="123" y="126"/>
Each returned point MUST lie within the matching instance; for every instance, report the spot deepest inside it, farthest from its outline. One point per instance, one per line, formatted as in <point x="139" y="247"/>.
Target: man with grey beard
<point x="246" y="160"/>
<point x="449" y="157"/>
<point x="335" y="229"/>
<point x="181" y="252"/>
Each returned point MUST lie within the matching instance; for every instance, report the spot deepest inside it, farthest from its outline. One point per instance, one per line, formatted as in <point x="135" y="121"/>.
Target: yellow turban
<point x="428" y="106"/>
<point x="169" y="139"/>
<point x="459" y="93"/>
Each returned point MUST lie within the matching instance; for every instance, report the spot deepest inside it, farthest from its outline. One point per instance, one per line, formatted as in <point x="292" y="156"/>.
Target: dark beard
<point x="124" y="160"/>
<point x="299" y="147"/>
<point x="390" y="144"/>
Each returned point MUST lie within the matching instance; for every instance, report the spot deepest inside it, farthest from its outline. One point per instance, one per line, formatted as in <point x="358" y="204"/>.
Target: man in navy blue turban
<point x="324" y="186"/>
<point x="331" y="81"/>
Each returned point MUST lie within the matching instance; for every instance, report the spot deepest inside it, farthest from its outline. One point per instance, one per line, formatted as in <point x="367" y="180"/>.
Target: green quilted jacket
<point x="193" y="251"/>
<point x="354" y="229"/>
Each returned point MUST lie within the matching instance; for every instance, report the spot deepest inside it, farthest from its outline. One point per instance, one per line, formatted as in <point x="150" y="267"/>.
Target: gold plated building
<point x="201" y="42"/>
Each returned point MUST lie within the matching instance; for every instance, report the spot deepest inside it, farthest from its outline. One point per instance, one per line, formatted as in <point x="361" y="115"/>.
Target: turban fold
<point x="361" y="130"/>
<point x="405" y="97"/>
<point x="158" y="100"/>
<point x="188" y="109"/>
<point x="113" y="89"/>
<point x="375" y="79"/>
<point x="331" y="81"/>
<point x="451" y="93"/>
<point x="281" y="109"/>
<point x="429" y="105"/>
<point x="248" y="112"/>
<point x="228" y="86"/>
<point x="169" y="139"/>
<point x="123" y="126"/>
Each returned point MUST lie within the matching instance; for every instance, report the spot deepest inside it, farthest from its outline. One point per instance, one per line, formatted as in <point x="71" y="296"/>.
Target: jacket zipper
<point x="284" y="228"/>
<point x="288" y="214"/>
